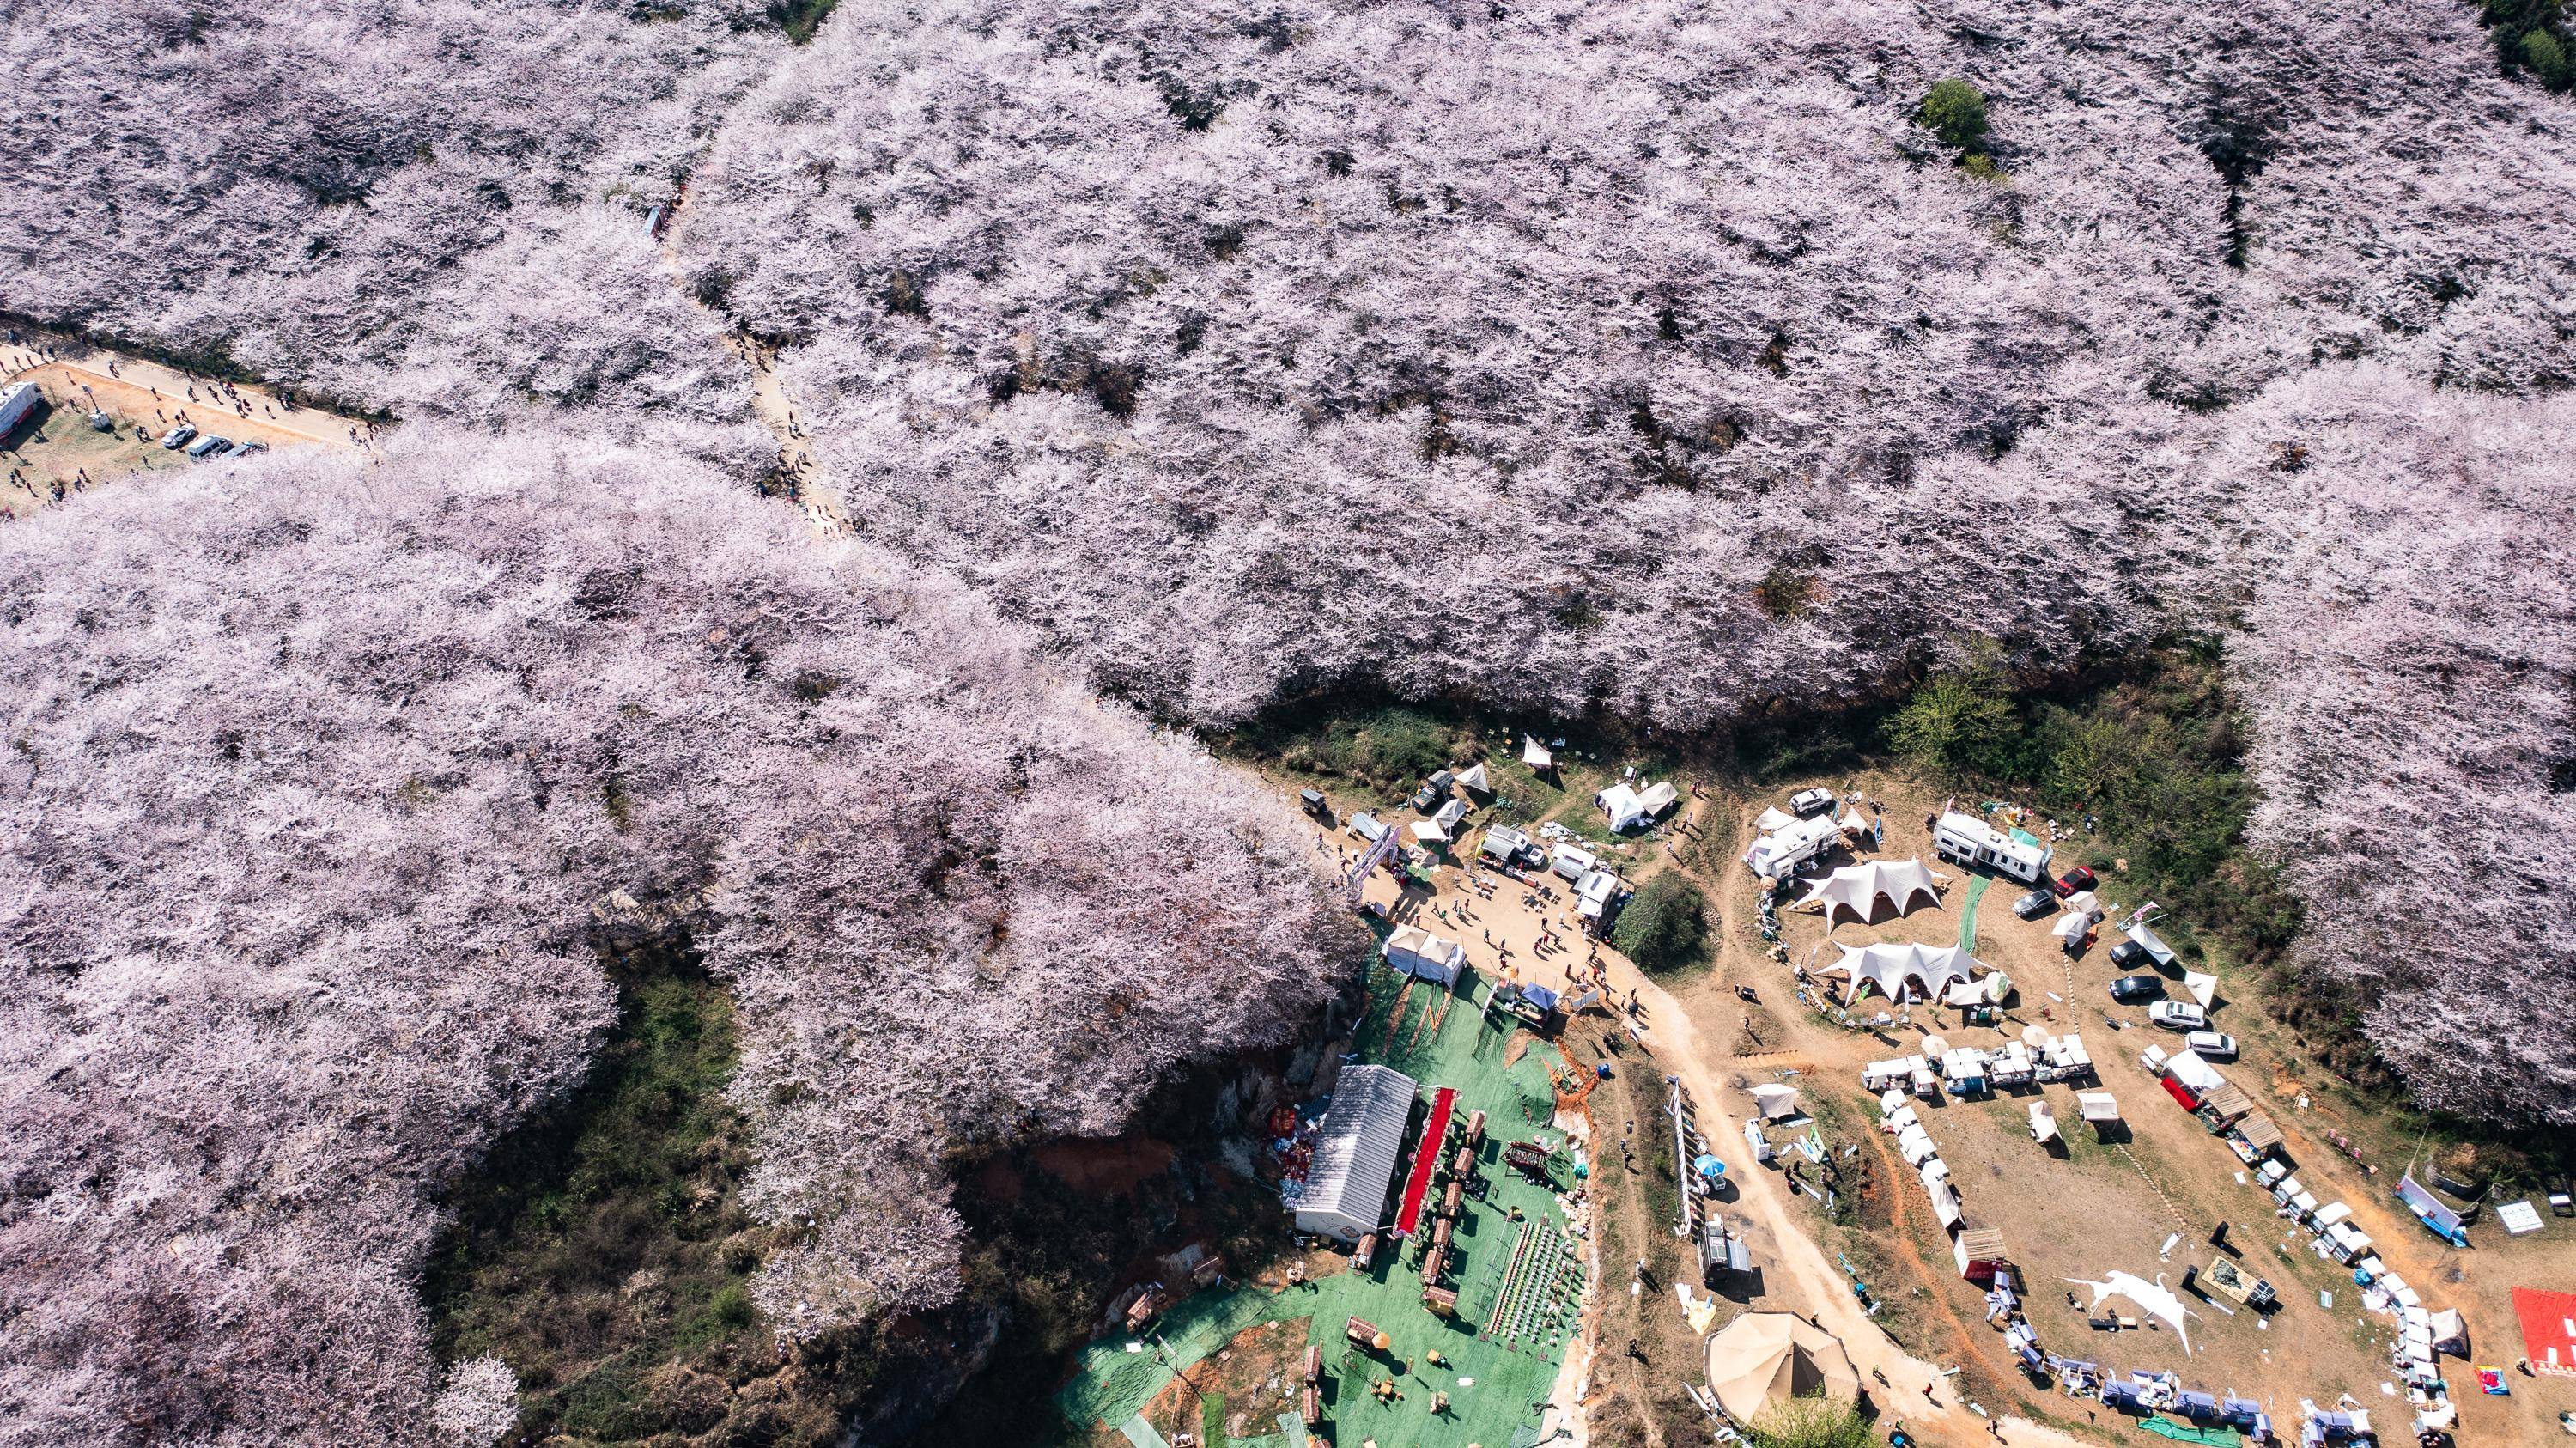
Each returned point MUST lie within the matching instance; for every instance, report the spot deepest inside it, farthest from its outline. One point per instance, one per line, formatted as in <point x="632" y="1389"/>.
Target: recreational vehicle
<point x="1967" y="840"/>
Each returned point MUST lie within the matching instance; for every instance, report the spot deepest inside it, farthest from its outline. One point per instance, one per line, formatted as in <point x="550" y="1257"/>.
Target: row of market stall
<point x="1966" y="1071"/>
<point x="2422" y="1334"/>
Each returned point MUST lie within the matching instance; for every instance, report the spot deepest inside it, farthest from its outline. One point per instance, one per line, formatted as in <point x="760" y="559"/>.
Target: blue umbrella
<point x="1709" y="1167"/>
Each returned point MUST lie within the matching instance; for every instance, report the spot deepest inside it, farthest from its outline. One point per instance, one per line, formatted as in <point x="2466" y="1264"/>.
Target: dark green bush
<point x="1663" y="926"/>
<point x="1956" y="112"/>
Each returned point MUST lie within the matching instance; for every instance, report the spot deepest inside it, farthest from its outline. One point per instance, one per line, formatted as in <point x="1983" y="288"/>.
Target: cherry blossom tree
<point x="325" y="782"/>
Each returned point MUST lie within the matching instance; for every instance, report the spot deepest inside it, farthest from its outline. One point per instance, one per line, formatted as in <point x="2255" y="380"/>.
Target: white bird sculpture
<point x="2152" y="1298"/>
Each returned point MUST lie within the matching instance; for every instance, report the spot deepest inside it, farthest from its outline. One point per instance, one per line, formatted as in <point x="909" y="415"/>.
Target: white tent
<point x="1428" y="832"/>
<point x="1931" y="969"/>
<point x="1449" y="815"/>
<point x="1989" y="991"/>
<point x="1622" y="805"/>
<point x="1772" y="820"/>
<point x="1915" y="1145"/>
<point x="1853" y="822"/>
<point x="1356" y="1150"/>
<point x="2191" y="1072"/>
<point x="2085" y="903"/>
<point x="2203" y="988"/>
<point x="1476" y="779"/>
<point x="1658" y="797"/>
<point x="2146" y="940"/>
<point x="2450" y="1333"/>
<point x="1535" y="754"/>
<point x="2072" y="925"/>
<point x="1776" y="1100"/>
<point x="1858" y="888"/>
<point x="2098" y="1105"/>
<point x="1421" y="953"/>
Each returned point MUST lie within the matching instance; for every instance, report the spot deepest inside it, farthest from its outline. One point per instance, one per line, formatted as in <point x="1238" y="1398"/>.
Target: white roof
<point x="1622" y="805"/>
<point x="1573" y="862"/>
<point x="1476" y="779"/>
<point x="1890" y="967"/>
<point x="1772" y="819"/>
<point x="2146" y="940"/>
<point x="1858" y="888"/>
<point x="1504" y="840"/>
<point x="1411" y="943"/>
<point x="2071" y="924"/>
<point x="2098" y="1105"/>
<point x="1796" y="841"/>
<point x="2203" y="988"/>
<point x="1970" y="827"/>
<point x="1358" y="1145"/>
<point x="2192" y="1071"/>
<point x="1534" y="754"/>
<point x="1775" y="1099"/>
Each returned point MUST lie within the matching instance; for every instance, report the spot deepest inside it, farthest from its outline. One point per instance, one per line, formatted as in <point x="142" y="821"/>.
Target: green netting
<point x="1968" y="912"/>
<point x="1493" y="1382"/>
<point x="2182" y="1432"/>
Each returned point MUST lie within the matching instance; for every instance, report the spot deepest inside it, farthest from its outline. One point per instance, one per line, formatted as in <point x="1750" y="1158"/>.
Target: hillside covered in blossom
<point x="1656" y="365"/>
<point x="320" y="793"/>
<point x="1657" y="360"/>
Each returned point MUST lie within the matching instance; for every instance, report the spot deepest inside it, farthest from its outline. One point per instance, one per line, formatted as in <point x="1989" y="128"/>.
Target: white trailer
<point x="1967" y="840"/>
<point x="1781" y="853"/>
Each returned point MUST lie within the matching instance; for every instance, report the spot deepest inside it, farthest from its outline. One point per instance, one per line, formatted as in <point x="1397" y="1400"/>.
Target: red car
<point x="2073" y="880"/>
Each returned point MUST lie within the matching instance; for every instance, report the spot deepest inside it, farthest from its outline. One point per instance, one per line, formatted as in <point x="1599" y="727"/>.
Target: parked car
<point x="2136" y="988"/>
<point x="1434" y="790"/>
<point x="246" y="449"/>
<point x="1811" y="801"/>
<point x="2211" y="1045"/>
<point x="2073" y="880"/>
<point x="2035" y="904"/>
<point x="2130" y="955"/>
<point x="2178" y="1016"/>
<point x="209" y="445"/>
<point x="177" y="437"/>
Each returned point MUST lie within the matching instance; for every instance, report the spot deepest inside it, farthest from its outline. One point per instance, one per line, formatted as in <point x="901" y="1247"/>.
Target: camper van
<point x="1792" y="847"/>
<point x="1967" y="840"/>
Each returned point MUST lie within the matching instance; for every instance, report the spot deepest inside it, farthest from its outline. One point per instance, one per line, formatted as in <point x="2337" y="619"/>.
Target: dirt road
<point x="149" y="392"/>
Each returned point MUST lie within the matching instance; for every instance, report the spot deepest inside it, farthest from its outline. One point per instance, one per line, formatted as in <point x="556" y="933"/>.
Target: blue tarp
<point x="1540" y="996"/>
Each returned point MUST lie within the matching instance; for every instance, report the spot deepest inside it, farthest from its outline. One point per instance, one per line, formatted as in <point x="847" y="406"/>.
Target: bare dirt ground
<point x="61" y="455"/>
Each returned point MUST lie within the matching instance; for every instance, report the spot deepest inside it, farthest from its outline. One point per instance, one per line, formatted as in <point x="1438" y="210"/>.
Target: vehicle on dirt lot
<point x="2136" y="988"/>
<point x="246" y="449"/>
<point x="2211" y="1045"/>
<point x="177" y="437"/>
<point x="208" y="446"/>
<point x="2073" y="880"/>
<point x="1434" y="790"/>
<point x="1811" y="801"/>
<point x="2130" y="955"/>
<point x="2035" y="904"/>
<point x="2178" y="1016"/>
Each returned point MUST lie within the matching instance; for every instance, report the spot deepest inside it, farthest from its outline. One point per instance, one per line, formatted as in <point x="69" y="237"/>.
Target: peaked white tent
<point x="1658" y="797"/>
<point x="1858" y="888"/>
<point x="1931" y="969"/>
<point x="1771" y="821"/>
<point x="1477" y="779"/>
<point x="1449" y="815"/>
<point x="1622" y="805"/>
<point x="1535" y="754"/>
<point x="1356" y="1150"/>
<point x="1423" y="954"/>
<point x="1776" y="1100"/>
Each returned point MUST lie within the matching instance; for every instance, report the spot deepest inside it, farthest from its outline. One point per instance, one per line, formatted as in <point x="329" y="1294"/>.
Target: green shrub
<point x="1958" y="723"/>
<point x="1956" y="112"/>
<point x="2544" y="57"/>
<point x="1663" y="926"/>
<point x="1811" y="1423"/>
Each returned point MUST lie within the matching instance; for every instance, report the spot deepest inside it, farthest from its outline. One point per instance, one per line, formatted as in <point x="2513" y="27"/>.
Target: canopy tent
<point x="2072" y="925"/>
<point x="2043" y="1123"/>
<point x="1657" y="798"/>
<point x="1355" y="1153"/>
<point x="1853" y="822"/>
<point x="1450" y="815"/>
<point x="1428" y="832"/>
<point x="2227" y="1100"/>
<point x="1764" y="1358"/>
<point x="2192" y="1072"/>
<point x="1772" y="820"/>
<point x="2085" y="902"/>
<point x="2450" y="1332"/>
<point x="1425" y="955"/>
<point x="2259" y="1132"/>
<point x="1477" y="779"/>
<point x="2203" y="988"/>
<point x="1535" y="754"/>
<point x="1933" y="969"/>
<point x="2157" y="951"/>
<point x="1990" y="991"/>
<point x="1776" y="1100"/>
<point x="2098" y="1105"/>
<point x="1623" y="805"/>
<point x="1858" y="888"/>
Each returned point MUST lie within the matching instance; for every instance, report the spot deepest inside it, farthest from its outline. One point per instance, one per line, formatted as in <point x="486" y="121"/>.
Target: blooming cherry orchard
<point x="323" y="780"/>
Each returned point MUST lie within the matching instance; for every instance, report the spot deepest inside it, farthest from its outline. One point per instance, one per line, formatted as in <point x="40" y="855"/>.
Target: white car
<point x="2211" y="1045"/>
<point x="1811" y="801"/>
<point x="2178" y="1016"/>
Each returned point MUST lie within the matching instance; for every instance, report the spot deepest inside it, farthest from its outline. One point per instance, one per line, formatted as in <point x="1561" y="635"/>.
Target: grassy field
<point x="59" y="447"/>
